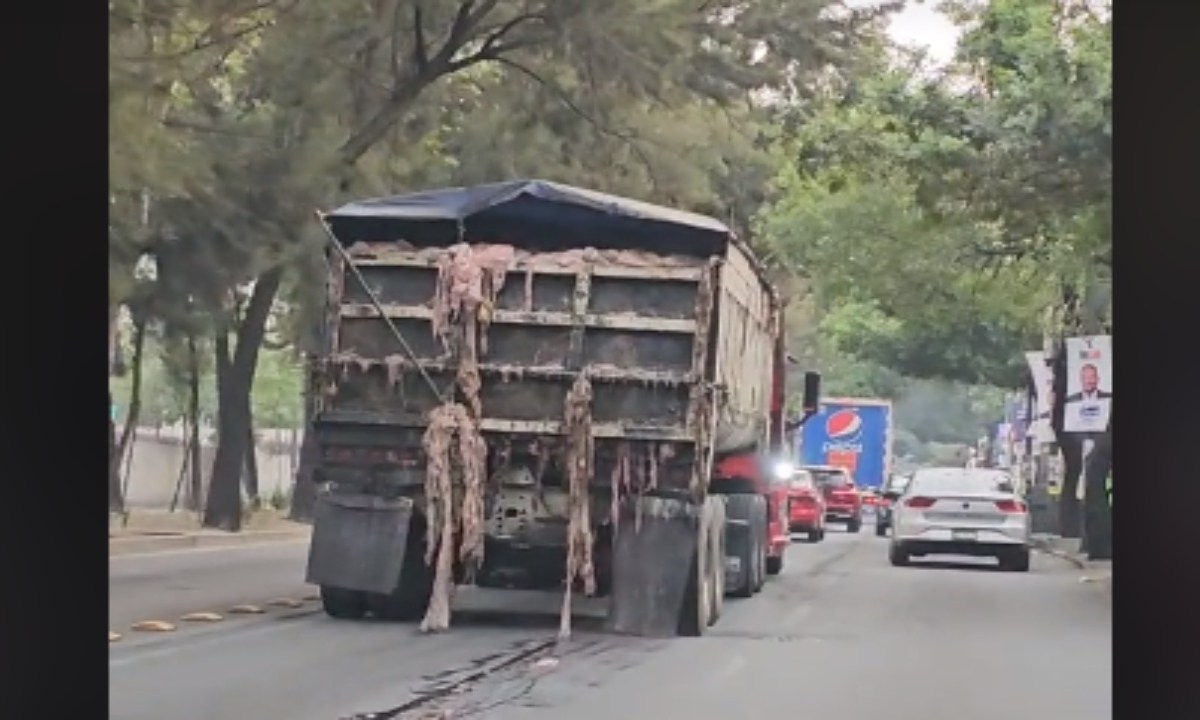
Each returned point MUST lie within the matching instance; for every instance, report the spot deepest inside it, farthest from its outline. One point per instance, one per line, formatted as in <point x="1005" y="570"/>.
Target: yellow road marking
<point x="201" y="617"/>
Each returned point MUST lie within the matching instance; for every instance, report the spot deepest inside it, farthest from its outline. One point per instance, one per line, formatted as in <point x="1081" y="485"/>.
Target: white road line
<point x="217" y="548"/>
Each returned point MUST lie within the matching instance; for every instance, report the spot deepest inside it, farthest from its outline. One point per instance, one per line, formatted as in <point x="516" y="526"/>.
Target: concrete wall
<point x="158" y="455"/>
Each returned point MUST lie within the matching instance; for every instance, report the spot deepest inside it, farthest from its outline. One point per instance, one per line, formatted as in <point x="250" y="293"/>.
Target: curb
<point x="1047" y="549"/>
<point x="140" y="545"/>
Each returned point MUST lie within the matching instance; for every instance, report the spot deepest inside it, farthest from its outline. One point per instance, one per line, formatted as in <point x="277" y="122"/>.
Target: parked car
<point x="883" y="511"/>
<point x="961" y="511"/>
<point x="842" y="501"/>
<point x="806" y="506"/>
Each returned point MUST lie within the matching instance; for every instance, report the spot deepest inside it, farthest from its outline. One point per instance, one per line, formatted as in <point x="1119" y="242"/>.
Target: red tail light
<point x="919" y="502"/>
<point x="1010" y="506"/>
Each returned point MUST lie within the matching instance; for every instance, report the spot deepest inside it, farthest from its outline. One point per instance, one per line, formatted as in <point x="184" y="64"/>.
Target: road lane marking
<point x="201" y="617"/>
<point x="261" y="545"/>
<point x="246" y="610"/>
<point x="139" y="653"/>
<point x="152" y="626"/>
<point x="285" y="603"/>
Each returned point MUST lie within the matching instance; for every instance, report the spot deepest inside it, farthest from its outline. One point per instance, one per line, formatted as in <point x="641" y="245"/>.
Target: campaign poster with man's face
<point x="1089" y="384"/>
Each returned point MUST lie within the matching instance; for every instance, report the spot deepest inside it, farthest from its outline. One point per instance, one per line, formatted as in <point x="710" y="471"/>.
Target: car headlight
<point x="784" y="469"/>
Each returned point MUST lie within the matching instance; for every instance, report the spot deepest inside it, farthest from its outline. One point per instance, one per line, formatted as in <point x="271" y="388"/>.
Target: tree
<point x="273" y="109"/>
<point x="946" y="213"/>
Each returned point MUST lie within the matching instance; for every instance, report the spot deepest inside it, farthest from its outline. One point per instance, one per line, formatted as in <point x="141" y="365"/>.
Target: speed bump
<point x="246" y="610"/>
<point x="201" y="617"/>
<point x="152" y="626"/>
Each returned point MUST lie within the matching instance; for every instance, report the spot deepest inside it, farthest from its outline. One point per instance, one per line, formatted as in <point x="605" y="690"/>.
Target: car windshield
<point x="802" y="480"/>
<point x="952" y="480"/>
<point x="831" y="478"/>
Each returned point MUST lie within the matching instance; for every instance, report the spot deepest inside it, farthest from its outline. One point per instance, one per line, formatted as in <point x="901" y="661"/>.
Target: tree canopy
<point x="920" y="220"/>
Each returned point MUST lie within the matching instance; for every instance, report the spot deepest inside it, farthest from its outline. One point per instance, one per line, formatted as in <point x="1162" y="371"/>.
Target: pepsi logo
<point x="843" y="425"/>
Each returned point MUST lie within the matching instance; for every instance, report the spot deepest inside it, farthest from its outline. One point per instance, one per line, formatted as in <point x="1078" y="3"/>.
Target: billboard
<point x="1089" y="384"/>
<point x="1043" y="384"/>
<point x="853" y="434"/>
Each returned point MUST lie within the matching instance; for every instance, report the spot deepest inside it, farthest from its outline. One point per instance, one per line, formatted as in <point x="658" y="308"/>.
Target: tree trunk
<point x="116" y="500"/>
<point x="250" y="478"/>
<point x="135" y="408"/>
<point x="235" y="380"/>
<point x="1069" y="520"/>
<point x="1097" y="513"/>
<point x="304" y="491"/>
<point x="195" y="487"/>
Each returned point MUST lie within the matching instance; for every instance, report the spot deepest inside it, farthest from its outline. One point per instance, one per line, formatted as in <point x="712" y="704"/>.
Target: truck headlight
<point x="784" y="470"/>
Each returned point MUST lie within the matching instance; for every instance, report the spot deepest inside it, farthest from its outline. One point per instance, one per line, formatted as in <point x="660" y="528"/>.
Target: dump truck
<point x="529" y="385"/>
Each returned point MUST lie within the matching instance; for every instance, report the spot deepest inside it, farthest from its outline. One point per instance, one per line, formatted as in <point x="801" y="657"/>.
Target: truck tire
<point x="343" y="604"/>
<point x="409" y="601"/>
<point x="696" y="609"/>
<point x="747" y="545"/>
<point x="717" y="553"/>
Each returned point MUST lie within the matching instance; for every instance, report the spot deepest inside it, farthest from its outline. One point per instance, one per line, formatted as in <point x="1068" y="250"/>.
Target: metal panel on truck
<point x="746" y="334"/>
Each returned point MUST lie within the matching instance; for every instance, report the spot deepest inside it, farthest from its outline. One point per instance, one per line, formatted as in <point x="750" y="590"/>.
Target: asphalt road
<point x="839" y="633"/>
<point x="166" y="585"/>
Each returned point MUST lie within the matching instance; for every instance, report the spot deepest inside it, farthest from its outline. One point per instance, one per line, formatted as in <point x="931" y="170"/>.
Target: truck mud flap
<point x="358" y="542"/>
<point x="651" y="560"/>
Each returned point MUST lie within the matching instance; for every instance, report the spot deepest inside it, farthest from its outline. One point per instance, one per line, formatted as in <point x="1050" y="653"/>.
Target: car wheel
<point x="1016" y="562"/>
<point x="897" y="555"/>
<point x="854" y="525"/>
<point x="880" y="530"/>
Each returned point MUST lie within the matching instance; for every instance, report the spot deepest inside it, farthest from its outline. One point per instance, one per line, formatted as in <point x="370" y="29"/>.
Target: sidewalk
<point x="1095" y="571"/>
<point x="147" y="531"/>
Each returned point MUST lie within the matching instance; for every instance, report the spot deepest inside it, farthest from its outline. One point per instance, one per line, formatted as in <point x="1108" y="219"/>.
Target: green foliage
<point x="936" y="218"/>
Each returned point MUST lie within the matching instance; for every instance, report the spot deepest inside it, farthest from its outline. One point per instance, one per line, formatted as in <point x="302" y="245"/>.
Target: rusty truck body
<point x="529" y="385"/>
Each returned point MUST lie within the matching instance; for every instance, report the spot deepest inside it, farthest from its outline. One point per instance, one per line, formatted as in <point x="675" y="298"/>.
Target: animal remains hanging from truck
<point x="469" y="428"/>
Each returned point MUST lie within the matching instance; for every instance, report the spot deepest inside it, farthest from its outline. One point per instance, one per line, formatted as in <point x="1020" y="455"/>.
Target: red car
<point x="806" y="506"/>
<point x="842" y="501"/>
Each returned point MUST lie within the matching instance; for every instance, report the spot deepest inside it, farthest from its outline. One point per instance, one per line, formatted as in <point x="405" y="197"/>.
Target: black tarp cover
<point x="528" y="213"/>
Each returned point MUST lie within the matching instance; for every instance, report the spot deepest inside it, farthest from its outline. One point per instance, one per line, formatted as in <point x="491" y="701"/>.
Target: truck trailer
<point x="528" y="385"/>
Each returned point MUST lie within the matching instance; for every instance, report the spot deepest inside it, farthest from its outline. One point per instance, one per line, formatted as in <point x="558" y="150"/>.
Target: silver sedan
<point x="961" y="511"/>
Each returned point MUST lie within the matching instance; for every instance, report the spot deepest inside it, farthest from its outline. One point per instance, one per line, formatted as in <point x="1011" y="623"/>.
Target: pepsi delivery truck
<point x="852" y="433"/>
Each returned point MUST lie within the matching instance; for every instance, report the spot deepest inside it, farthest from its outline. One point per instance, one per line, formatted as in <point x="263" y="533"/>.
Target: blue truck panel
<point x="854" y="434"/>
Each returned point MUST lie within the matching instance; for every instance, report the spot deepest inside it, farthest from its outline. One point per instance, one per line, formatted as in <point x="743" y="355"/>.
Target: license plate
<point x="963" y="534"/>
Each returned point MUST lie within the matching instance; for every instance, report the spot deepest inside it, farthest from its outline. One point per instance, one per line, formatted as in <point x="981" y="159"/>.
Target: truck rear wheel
<point x="343" y="604"/>
<point x="696" y="612"/>
<point x="410" y="599"/>
<point x="747" y="543"/>
<point x="717" y="553"/>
